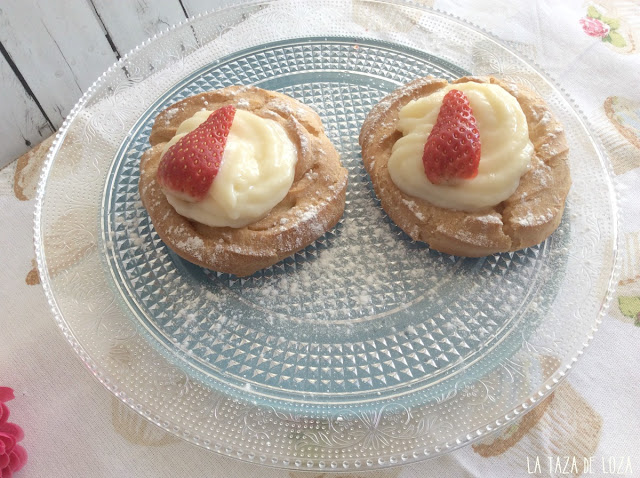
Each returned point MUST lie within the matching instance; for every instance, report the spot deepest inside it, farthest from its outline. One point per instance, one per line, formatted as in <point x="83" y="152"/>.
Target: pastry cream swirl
<point x="256" y="172"/>
<point x="505" y="149"/>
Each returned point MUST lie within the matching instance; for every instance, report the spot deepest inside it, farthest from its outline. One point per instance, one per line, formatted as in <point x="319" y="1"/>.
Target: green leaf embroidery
<point x="592" y="12"/>
<point x="614" y="23"/>
<point x="607" y="38"/>
<point x="616" y="39"/>
<point x="629" y="306"/>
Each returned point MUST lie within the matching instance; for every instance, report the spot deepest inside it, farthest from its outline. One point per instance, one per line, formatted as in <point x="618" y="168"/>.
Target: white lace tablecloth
<point x="588" y="426"/>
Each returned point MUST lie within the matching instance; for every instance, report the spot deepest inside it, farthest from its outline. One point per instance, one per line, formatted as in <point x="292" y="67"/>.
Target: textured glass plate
<point x="366" y="348"/>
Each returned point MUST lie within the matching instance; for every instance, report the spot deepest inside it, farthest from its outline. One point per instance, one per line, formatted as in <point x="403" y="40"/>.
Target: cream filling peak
<point x="256" y="172"/>
<point x="505" y="148"/>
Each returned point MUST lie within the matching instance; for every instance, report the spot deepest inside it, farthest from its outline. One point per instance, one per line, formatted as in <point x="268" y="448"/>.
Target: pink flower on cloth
<point x="12" y="456"/>
<point x="594" y="27"/>
<point x="608" y="29"/>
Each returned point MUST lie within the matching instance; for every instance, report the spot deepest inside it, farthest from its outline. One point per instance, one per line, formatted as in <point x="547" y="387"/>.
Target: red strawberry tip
<point x="452" y="151"/>
<point x="189" y="167"/>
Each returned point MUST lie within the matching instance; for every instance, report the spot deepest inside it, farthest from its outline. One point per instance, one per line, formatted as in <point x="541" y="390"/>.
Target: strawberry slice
<point x="452" y="150"/>
<point x="189" y="167"/>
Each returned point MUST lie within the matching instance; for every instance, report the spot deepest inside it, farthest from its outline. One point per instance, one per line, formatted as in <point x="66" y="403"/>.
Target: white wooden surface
<point x="51" y="51"/>
<point x="129" y="23"/>
<point x="22" y="124"/>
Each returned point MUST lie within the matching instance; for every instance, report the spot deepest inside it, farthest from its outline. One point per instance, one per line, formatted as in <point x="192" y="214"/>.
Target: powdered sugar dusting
<point x="466" y="236"/>
<point x="311" y="175"/>
<point x="193" y="245"/>
<point x="309" y="213"/>
<point x="413" y="207"/>
<point x="532" y="220"/>
<point x="490" y="219"/>
<point x="170" y="114"/>
<point x="542" y="174"/>
<point x="546" y="118"/>
<point x="302" y="136"/>
<point x="346" y="268"/>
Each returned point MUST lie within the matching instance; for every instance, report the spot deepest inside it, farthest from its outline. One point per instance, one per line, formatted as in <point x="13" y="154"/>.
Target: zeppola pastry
<point x="239" y="178"/>
<point x="472" y="168"/>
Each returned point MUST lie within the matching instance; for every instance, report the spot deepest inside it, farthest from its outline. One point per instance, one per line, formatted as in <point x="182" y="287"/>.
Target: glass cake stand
<point x="364" y="350"/>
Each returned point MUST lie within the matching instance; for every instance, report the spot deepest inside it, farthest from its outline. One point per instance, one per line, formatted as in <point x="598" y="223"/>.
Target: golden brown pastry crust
<point x="526" y="218"/>
<point x="313" y="205"/>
